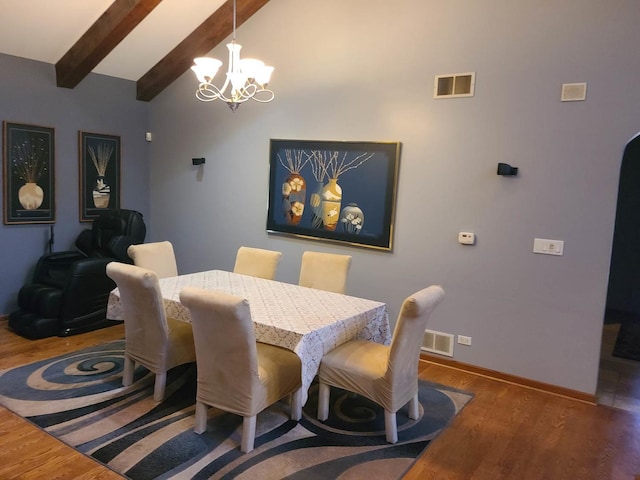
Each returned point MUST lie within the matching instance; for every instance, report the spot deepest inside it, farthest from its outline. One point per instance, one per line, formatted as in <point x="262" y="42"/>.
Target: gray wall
<point x="363" y="70"/>
<point x="28" y="94"/>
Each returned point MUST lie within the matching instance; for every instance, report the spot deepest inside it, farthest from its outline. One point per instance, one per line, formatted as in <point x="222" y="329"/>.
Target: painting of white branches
<point x="100" y="157"/>
<point x="99" y="173"/>
<point x="28" y="159"/>
<point x="339" y="191"/>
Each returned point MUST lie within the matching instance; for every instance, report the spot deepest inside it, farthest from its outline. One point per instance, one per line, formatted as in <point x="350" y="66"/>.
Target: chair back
<point x="145" y="319"/>
<point x="407" y="338"/>
<point x="226" y="351"/>
<point x="156" y="256"/>
<point x="324" y="271"/>
<point x="257" y="262"/>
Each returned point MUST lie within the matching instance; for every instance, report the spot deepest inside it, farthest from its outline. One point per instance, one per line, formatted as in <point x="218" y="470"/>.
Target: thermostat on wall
<point x="466" y="238"/>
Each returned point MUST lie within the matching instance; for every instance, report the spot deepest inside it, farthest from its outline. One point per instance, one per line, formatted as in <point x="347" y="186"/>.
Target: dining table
<point x="307" y="321"/>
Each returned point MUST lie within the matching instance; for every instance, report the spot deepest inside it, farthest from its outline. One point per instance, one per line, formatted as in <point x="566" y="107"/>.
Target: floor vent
<point x="437" y="342"/>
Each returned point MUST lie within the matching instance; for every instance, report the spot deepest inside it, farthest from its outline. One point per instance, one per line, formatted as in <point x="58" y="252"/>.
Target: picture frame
<point x="28" y="173"/>
<point x="100" y="161"/>
<point x="337" y="191"/>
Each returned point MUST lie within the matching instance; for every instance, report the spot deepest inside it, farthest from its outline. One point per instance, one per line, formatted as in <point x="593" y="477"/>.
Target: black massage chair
<point x="69" y="290"/>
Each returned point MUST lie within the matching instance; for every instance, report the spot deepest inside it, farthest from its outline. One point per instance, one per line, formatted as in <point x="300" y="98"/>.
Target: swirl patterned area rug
<point x="79" y="399"/>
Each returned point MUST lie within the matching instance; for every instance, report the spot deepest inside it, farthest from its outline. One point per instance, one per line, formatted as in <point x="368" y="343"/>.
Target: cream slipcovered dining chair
<point x="388" y="375"/>
<point x="156" y="256"/>
<point x="325" y="271"/>
<point x="257" y="262"/>
<point x="235" y="373"/>
<point x="151" y="339"/>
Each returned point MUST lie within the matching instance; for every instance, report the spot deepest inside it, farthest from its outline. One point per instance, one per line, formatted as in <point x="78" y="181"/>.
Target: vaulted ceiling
<point x="119" y="37"/>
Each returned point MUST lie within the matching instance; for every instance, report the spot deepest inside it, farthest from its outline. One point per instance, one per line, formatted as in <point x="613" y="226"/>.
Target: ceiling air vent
<point x="454" y="85"/>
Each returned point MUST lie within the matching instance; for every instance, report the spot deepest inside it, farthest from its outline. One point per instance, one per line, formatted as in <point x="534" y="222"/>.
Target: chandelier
<point x="246" y="78"/>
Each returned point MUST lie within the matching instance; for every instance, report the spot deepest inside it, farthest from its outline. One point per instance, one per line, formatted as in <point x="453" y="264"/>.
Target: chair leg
<point x="323" y="401"/>
<point x="414" y="411"/>
<point x="390" y="426"/>
<point x="158" y="389"/>
<point x="200" y="422"/>
<point x="296" y="405"/>
<point x="248" y="433"/>
<point x="127" y="371"/>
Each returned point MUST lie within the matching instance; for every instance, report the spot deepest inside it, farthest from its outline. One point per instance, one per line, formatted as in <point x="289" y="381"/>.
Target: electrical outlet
<point x="463" y="340"/>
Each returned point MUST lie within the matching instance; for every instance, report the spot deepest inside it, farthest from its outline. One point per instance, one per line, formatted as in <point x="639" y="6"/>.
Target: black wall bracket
<point x="507" y="170"/>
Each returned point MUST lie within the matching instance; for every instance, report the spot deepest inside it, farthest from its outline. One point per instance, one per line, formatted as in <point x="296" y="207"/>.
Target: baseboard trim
<point x="512" y="379"/>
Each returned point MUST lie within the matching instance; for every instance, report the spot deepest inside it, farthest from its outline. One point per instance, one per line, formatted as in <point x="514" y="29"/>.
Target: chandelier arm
<point x="210" y="92"/>
<point x="206" y="94"/>
<point x="269" y="96"/>
<point x="255" y="92"/>
<point x="202" y="98"/>
<point x="247" y="91"/>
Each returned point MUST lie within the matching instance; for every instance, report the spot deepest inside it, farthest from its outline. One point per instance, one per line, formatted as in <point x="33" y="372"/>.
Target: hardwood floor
<point x="26" y="452"/>
<point x="506" y="432"/>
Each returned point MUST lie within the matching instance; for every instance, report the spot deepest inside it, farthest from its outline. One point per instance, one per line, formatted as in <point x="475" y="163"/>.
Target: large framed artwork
<point x="28" y="171"/>
<point x="338" y="191"/>
<point x="99" y="174"/>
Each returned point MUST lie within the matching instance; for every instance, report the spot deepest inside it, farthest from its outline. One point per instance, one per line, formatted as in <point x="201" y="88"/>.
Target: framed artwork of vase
<point x="99" y="174"/>
<point x="340" y="191"/>
<point x="28" y="173"/>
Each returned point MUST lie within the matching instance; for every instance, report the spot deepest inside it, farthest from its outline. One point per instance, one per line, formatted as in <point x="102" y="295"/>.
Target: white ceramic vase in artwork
<point x="30" y="196"/>
<point x="352" y="219"/>
<point x="331" y="202"/>
<point x="101" y="193"/>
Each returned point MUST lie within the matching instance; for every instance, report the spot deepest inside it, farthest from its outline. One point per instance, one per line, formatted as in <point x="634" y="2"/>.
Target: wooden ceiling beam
<point x="203" y="39"/>
<point x="101" y="38"/>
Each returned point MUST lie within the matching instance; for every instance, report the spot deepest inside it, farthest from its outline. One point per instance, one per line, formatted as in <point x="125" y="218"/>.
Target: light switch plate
<point x="548" y="247"/>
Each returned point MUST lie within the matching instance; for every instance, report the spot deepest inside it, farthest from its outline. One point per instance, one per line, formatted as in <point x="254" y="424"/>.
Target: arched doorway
<point x="619" y="380"/>
<point x="623" y="294"/>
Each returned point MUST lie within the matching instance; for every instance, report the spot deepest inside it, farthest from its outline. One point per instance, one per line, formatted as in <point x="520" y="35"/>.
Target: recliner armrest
<point x="89" y="266"/>
<point x="53" y="268"/>
<point x="86" y="292"/>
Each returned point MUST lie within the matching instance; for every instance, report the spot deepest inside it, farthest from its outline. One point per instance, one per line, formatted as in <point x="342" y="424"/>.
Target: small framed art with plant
<point x="99" y="174"/>
<point x="28" y="173"/>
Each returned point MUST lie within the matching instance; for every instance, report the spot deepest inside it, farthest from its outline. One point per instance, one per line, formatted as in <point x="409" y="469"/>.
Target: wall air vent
<point x="437" y="342"/>
<point x="573" y="92"/>
<point x="454" y="85"/>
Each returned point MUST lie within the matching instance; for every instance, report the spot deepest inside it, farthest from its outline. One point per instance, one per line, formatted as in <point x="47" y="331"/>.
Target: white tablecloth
<point x="307" y="321"/>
